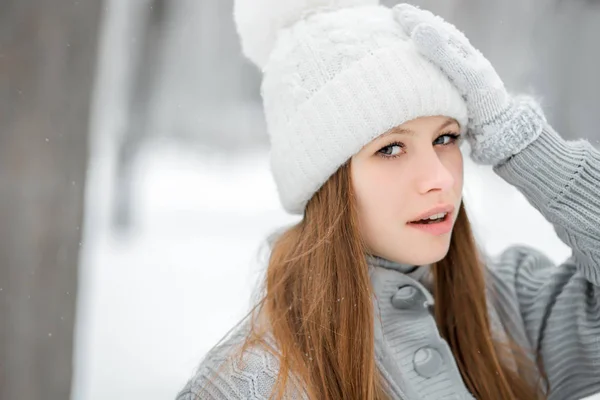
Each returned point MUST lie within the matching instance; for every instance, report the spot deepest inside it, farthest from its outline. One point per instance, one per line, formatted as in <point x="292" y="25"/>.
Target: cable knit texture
<point x="334" y="79"/>
<point x="554" y="310"/>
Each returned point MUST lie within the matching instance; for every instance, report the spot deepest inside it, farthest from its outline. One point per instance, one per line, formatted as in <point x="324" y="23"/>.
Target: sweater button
<point x="428" y="362"/>
<point x="406" y="297"/>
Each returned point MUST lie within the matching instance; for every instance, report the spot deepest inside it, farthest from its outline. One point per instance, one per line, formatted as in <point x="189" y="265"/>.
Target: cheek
<point x="379" y="199"/>
<point x="454" y="164"/>
<point x="460" y="170"/>
<point x="380" y="187"/>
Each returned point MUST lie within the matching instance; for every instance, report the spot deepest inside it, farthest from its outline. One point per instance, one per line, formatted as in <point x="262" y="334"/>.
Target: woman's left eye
<point x="449" y="138"/>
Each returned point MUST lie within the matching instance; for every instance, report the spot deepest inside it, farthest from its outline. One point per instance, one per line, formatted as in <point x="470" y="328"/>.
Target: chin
<point x="428" y="259"/>
<point x="428" y="254"/>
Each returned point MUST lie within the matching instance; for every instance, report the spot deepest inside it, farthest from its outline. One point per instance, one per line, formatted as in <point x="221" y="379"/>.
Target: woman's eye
<point x="446" y="139"/>
<point x="391" y="150"/>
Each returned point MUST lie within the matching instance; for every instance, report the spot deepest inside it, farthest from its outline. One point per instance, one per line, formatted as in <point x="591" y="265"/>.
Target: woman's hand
<point x="499" y="125"/>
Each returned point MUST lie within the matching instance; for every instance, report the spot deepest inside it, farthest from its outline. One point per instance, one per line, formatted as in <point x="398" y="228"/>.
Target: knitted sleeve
<point x="222" y="375"/>
<point x="556" y="310"/>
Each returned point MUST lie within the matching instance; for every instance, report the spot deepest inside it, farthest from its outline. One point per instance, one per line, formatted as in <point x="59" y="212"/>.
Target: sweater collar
<point x="421" y="273"/>
<point x="377" y="261"/>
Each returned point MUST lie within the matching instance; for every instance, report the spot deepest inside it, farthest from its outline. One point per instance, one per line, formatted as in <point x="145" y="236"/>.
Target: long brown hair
<point x="318" y="306"/>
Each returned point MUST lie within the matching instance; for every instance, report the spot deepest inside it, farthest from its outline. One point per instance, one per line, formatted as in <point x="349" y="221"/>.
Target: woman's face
<point x="400" y="176"/>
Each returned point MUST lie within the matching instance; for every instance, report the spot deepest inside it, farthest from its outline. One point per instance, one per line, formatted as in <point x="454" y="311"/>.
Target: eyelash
<point x="455" y="137"/>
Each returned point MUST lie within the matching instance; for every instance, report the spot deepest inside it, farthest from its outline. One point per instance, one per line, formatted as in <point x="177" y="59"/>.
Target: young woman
<point x="380" y="291"/>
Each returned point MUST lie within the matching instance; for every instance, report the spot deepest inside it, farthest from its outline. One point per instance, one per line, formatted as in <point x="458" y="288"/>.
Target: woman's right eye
<point x="391" y="150"/>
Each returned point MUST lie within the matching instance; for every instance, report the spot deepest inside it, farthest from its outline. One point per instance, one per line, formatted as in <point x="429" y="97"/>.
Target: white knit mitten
<point x="499" y="125"/>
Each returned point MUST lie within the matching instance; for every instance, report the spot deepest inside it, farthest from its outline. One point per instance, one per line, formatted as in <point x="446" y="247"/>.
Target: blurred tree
<point x="47" y="63"/>
<point x="566" y="40"/>
<point x="189" y="83"/>
<point x="208" y="91"/>
<point x="150" y="18"/>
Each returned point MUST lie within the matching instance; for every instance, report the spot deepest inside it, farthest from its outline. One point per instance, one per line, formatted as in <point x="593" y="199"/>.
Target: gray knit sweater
<point x="545" y="308"/>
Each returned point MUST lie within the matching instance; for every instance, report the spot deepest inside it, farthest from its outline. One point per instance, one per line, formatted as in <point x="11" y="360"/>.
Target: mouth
<point x="436" y="224"/>
<point x="435" y="214"/>
<point x="434" y="219"/>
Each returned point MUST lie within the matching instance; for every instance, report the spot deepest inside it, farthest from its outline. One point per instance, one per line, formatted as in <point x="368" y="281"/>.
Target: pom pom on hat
<point x="259" y="22"/>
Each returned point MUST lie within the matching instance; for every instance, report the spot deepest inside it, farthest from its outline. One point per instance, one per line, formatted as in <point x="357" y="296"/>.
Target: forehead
<point x="423" y="124"/>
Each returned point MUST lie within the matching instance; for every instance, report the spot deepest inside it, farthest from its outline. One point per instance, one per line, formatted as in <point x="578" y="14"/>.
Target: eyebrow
<point x="403" y="131"/>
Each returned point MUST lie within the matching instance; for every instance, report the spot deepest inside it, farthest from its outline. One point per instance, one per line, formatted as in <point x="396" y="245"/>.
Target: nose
<point x="432" y="174"/>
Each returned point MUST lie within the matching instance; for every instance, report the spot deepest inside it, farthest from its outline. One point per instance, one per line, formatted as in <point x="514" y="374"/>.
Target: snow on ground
<point x="154" y="302"/>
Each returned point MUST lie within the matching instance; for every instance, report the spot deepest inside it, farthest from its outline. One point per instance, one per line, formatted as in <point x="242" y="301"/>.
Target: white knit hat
<point x="336" y="74"/>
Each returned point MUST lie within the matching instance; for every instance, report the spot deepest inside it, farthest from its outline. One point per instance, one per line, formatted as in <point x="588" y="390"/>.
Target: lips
<point x="441" y="208"/>
<point x="438" y="228"/>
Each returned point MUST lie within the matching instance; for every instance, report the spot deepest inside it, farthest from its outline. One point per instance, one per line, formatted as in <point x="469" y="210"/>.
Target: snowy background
<point x="154" y="297"/>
